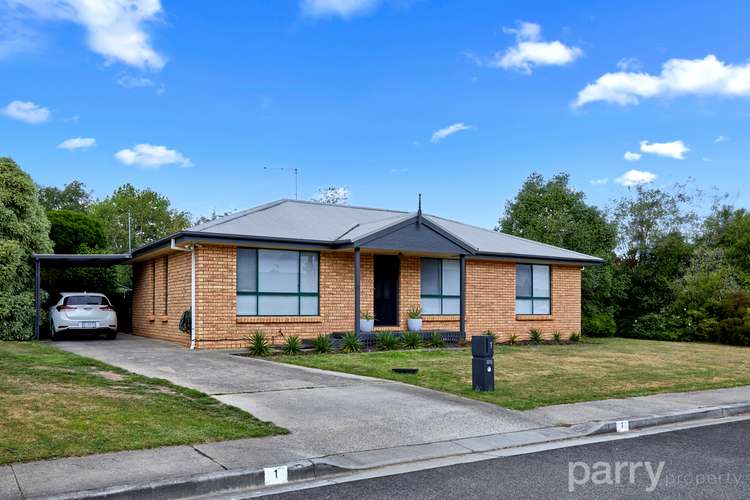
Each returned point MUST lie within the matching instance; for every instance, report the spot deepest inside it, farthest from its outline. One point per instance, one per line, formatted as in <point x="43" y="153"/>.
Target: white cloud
<point x="115" y="28"/>
<point x="674" y="149"/>
<point x="26" y="111"/>
<point x="441" y="134"/>
<point x="599" y="182"/>
<point x="342" y="8"/>
<point x="630" y="156"/>
<point x="721" y="138"/>
<point x="629" y="64"/>
<point x="150" y="156"/>
<point x="77" y="143"/>
<point x="134" y="82"/>
<point x="635" y="177"/>
<point x="678" y="77"/>
<point x="530" y="51"/>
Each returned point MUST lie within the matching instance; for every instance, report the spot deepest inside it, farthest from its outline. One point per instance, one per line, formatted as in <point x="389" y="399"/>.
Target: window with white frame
<point x="277" y="283"/>
<point x="533" y="289"/>
<point x="440" y="284"/>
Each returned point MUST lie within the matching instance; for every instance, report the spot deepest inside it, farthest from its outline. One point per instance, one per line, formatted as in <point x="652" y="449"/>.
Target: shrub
<point x="574" y="337"/>
<point x="654" y="326"/>
<point x="513" y="339"/>
<point x="292" y="346"/>
<point x="366" y="316"/>
<point x="436" y="340"/>
<point x="535" y="336"/>
<point x="414" y="313"/>
<point x="599" y="324"/>
<point x="490" y="334"/>
<point x="351" y="343"/>
<point x="322" y="344"/>
<point x="387" y="341"/>
<point x="259" y="344"/>
<point x="556" y="337"/>
<point x="411" y="340"/>
<point x="734" y="320"/>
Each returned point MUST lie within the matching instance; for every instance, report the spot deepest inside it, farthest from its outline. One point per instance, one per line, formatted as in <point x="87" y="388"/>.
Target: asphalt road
<point x="706" y="462"/>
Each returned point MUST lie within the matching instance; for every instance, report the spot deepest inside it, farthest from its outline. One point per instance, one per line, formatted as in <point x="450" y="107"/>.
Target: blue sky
<point x="457" y="100"/>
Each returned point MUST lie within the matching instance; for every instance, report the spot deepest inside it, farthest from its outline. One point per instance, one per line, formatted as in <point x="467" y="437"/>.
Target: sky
<point x="214" y="103"/>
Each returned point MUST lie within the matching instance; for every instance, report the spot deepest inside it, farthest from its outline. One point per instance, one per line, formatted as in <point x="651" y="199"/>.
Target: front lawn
<point x="530" y="376"/>
<point x="58" y="404"/>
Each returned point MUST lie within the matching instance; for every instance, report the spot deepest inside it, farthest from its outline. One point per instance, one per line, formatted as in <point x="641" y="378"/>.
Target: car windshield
<point x="86" y="300"/>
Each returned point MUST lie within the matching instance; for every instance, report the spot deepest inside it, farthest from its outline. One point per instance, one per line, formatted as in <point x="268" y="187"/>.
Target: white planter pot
<point x="366" y="325"/>
<point x="414" y="325"/>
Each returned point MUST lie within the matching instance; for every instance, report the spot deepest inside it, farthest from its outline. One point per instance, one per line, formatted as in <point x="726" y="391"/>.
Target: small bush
<point x="322" y="344"/>
<point x="259" y="344"/>
<point x="412" y="340"/>
<point x="436" y="340"/>
<point x="734" y="320"/>
<point x="351" y="343"/>
<point x="654" y="326"/>
<point x="491" y="334"/>
<point x="574" y="337"/>
<point x="414" y="313"/>
<point x="513" y="339"/>
<point x="599" y="324"/>
<point x="556" y="337"/>
<point x="535" y="336"/>
<point x="366" y="316"/>
<point x="292" y="346"/>
<point x="387" y="341"/>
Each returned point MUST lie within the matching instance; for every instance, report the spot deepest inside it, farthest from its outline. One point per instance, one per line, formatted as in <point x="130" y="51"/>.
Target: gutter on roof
<point x="594" y="261"/>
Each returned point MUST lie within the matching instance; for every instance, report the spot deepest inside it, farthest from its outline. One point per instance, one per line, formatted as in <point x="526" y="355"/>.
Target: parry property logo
<point x="613" y="474"/>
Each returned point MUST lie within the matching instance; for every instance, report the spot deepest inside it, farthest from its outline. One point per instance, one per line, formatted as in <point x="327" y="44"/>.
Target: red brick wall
<point x="149" y="316"/>
<point x="490" y="300"/>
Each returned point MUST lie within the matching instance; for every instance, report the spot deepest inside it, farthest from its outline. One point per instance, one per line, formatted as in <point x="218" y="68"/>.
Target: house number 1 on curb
<point x="275" y="475"/>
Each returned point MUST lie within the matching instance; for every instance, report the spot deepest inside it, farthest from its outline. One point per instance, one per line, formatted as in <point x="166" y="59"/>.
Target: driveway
<point x="326" y="412"/>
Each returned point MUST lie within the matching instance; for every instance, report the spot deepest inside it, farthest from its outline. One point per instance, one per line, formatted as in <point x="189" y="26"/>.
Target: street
<point x="703" y="462"/>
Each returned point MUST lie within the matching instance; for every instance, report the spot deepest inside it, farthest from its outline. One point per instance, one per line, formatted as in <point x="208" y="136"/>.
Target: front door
<point x="386" y="290"/>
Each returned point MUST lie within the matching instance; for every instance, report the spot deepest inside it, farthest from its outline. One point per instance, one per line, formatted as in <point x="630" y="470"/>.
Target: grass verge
<point x="530" y="376"/>
<point x="57" y="404"/>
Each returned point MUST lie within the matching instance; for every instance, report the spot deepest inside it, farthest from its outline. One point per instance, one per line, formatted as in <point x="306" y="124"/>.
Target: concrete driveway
<point x="326" y="412"/>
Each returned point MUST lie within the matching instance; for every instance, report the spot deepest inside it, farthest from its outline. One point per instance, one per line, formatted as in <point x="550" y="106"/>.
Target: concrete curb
<point x="323" y="467"/>
<point x="200" y="484"/>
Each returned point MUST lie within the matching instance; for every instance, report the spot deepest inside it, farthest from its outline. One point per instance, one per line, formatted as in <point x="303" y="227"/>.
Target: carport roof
<point x="82" y="260"/>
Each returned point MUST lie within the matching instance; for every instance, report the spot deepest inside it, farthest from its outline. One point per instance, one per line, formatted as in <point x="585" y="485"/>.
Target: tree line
<point x="670" y="273"/>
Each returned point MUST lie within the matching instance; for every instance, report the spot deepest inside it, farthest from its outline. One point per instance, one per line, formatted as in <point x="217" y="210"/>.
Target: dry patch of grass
<point x="529" y="376"/>
<point x="56" y="404"/>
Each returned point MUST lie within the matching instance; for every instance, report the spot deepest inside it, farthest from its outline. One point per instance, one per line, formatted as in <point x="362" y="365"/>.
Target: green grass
<point x="529" y="376"/>
<point x="57" y="404"/>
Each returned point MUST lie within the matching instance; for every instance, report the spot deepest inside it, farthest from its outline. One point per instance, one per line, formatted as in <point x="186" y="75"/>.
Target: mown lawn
<point x="58" y="404"/>
<point x="529" y="376"/>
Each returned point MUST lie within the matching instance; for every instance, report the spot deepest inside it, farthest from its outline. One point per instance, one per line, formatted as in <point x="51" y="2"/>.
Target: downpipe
<point x="192" y="249"/>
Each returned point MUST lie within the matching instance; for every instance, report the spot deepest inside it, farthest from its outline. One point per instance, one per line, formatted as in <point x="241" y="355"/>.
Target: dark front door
<point x="386" y="290"/>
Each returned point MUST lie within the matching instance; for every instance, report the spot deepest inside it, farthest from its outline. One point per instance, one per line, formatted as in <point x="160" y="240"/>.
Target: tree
<point x="553" y="212"/>
<point x="75" y="232"/>
<point x="24" y="230"/>
<point x="152" y="217"/>
<point x="729" y="228"/>
<point x="73" y="196"/>
<point x="333" y="195"/>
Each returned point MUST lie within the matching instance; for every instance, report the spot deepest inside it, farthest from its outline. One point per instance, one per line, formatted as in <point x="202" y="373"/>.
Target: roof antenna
<point x="419" y="210"/>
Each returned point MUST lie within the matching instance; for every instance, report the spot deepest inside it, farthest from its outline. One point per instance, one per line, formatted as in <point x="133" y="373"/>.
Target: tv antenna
<point x="295" y="170"/>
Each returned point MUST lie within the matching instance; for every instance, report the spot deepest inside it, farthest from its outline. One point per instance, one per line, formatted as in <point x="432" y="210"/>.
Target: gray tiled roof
<point x="342" y="224"/>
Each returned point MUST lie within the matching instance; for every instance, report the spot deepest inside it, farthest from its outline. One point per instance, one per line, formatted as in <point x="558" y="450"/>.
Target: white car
<point x="82" y="312"/>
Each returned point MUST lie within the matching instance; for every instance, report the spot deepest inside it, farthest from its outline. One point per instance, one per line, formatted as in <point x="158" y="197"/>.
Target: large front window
<point x="440" y="286"/>
<point x="277" y="283"/>
<point x="532" y="289"/>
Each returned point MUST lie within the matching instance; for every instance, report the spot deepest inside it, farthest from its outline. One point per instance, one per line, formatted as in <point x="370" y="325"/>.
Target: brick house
<point x="296" y="267"/>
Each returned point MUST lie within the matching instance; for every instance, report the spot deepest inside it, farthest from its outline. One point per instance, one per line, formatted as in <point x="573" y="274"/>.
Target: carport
<point x="68" y="260"/>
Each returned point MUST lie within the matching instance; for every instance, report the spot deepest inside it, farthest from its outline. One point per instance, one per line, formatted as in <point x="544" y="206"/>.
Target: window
<point x="532" y="289"/>
<point x="277" y="283"/>
<point x="441" y="286"/>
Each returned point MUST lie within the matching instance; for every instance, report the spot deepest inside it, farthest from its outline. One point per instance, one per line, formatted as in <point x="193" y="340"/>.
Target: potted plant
<point x="366" y="322"/>
<point x="415" y="319"/>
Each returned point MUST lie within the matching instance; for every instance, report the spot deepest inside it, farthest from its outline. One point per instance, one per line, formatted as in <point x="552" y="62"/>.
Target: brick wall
<point x="154" y="314"/>
<point x="490" y="300"/>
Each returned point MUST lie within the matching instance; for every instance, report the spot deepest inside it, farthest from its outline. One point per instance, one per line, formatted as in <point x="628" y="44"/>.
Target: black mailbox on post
<point x="482" y="363"/>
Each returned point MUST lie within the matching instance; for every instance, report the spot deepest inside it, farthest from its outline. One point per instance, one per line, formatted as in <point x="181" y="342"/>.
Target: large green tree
<point x="24" y="230"/>
<point x="152" y="217"/>
<point x="551" y="211"/>
<point x="73" y="196"/>
<point x="75" y="232"/>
